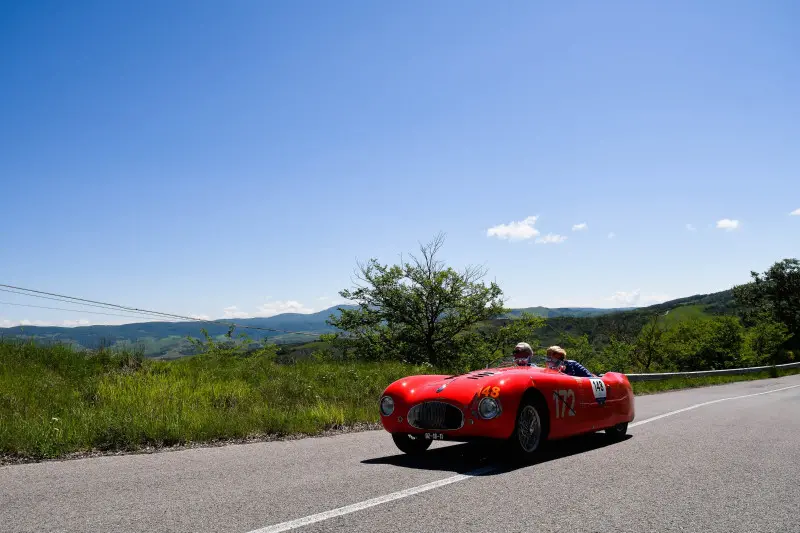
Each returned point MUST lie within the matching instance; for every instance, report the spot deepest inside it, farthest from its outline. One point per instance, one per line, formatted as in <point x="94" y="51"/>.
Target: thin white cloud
<point x="200" y="317"/>
<point x="332" y="302"/>
<point x="5" y="323"/>
<point x="234" y="312"/>
<point x="551" y="238"/>
<point x="795" y="213"/>
<point x="635" y="299"/>
<point x="612" y="235"/>
<point x="625" y="298"/>
<point x="279" y="307"/>
<point x="515" y="231"/>
<point x="690" y="227"/>
<point x="78" y="322"/>
<point x="580" y="227"/>
<point x="727" y="224"/>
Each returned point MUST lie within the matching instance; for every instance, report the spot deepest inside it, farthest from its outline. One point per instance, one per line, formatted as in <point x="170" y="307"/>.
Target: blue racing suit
<point x="574" y="368"/>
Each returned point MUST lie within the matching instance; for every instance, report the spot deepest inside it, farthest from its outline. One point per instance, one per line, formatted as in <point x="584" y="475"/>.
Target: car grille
<point x="435" y="415"/>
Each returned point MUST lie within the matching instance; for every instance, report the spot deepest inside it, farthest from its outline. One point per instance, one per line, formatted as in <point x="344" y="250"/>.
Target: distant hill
<point x="169" y="339"/>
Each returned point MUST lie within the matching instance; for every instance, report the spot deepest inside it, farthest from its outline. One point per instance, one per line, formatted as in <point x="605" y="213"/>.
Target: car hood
<point x="463" y="388"/>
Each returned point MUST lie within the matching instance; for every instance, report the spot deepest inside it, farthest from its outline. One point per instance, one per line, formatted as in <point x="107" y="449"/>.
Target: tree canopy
<point x="419" y="311"/>
<point x="773" y="296"/>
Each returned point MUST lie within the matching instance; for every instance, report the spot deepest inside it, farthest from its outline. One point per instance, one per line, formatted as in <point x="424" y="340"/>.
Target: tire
<point x="529" y="430"/>
<point x="411" y="444"/>
<point x="617" y="432"/>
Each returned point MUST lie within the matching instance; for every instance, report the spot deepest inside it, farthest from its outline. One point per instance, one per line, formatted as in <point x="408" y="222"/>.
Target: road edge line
<point x="333" y="513"/>
<point x="695" y="406"/>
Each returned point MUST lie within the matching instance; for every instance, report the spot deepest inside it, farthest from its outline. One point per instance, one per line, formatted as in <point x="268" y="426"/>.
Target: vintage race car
<point x="523" y="406"/>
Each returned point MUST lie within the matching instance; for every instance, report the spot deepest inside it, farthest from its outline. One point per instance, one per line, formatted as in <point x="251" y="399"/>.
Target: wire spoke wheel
<point x="530" y="428"/>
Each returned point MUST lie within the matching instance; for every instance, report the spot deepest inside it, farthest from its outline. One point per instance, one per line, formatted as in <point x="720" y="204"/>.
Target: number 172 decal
<point x="565" y="402"/>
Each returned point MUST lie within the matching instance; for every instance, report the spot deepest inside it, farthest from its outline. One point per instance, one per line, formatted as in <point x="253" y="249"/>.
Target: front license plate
<point x="434" y="436"/>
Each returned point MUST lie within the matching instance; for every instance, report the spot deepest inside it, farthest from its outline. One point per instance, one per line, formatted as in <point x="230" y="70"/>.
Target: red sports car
<point x="522" y="405"/>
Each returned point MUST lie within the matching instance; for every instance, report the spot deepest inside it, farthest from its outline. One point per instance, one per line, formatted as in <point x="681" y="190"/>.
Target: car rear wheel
<point x="411" y="444"/>
<point x="617" y="432"/>
<point x="529" y="430"/>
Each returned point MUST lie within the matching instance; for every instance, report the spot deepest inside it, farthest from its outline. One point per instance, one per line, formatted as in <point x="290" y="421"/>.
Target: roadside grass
<point x="55" y="401"/>
<point x="649" y="387"/>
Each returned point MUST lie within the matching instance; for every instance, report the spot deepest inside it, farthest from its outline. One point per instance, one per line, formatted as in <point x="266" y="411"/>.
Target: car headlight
<point x="387" y="405"/>
<point x="488" y="408"/>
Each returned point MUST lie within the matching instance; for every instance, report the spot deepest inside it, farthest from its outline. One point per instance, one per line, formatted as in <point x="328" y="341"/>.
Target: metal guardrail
<point x="655" y="376"/>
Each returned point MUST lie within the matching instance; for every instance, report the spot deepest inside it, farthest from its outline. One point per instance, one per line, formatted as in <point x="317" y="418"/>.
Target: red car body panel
<point x="572" y="404"/>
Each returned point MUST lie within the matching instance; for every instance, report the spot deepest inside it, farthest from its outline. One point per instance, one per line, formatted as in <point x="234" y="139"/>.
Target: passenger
<point x="556" y="359"/>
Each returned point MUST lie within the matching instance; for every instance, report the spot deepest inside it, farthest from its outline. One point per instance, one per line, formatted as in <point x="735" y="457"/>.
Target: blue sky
<point x="237" y="159"/>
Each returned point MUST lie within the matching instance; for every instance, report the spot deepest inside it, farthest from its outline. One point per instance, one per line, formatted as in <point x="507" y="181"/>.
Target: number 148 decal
<point x="599" y="390"/>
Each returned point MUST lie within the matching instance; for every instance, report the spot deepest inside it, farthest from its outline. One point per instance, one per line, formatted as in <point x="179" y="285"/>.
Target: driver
<point x="556" y="359"/>
<point x="523" y="354"/>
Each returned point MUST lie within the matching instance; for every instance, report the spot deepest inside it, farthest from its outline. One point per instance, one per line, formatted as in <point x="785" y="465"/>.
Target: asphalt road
<point x="726" y="466"/>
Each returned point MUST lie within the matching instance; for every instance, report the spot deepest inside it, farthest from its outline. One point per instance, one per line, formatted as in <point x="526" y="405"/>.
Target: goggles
<point x="553" y="362"/>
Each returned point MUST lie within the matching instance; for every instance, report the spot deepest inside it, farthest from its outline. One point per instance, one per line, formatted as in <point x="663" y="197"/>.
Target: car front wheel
<point x="528" y="431"/>
<point x="411" y="444"/>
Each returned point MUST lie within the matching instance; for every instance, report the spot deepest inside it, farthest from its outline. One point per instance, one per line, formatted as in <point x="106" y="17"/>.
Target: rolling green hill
<point x="626" y="324"/>
<point x="552" y="312"/>
<point x="170" y="339"/>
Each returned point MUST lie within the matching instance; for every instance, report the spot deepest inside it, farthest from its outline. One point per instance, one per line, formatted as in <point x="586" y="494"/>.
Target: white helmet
<point x="523" y="353"/>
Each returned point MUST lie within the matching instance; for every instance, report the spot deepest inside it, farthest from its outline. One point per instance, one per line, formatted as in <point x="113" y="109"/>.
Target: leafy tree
<point x="417" y="311"/>
<point x="764" y="341"/>
<point x="703" y="344"/>
<point x="578" y="348"/>
<point x="521" y="329"/>
<point x="648" y="349"/>
<point x="483" y="345"/>
<point x="680" y="346"/>
<point x="774" y="294"/>
<point x="723" y="343"/>
<point x="616" y="356"/>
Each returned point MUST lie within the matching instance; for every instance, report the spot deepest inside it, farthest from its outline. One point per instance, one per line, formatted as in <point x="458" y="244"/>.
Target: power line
<point x="141" y="315"/>
<point x="94" y="303"/>
<point x="64" y="309"/>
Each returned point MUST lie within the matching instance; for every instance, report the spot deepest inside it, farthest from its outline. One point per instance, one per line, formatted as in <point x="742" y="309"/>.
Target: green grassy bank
<point x="54" y="401"/>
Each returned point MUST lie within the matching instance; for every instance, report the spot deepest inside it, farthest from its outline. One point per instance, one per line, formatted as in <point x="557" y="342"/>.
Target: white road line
<point x="645" y="421"/>
<point x="286" y="526"/>
<point x="333" y="513"/>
